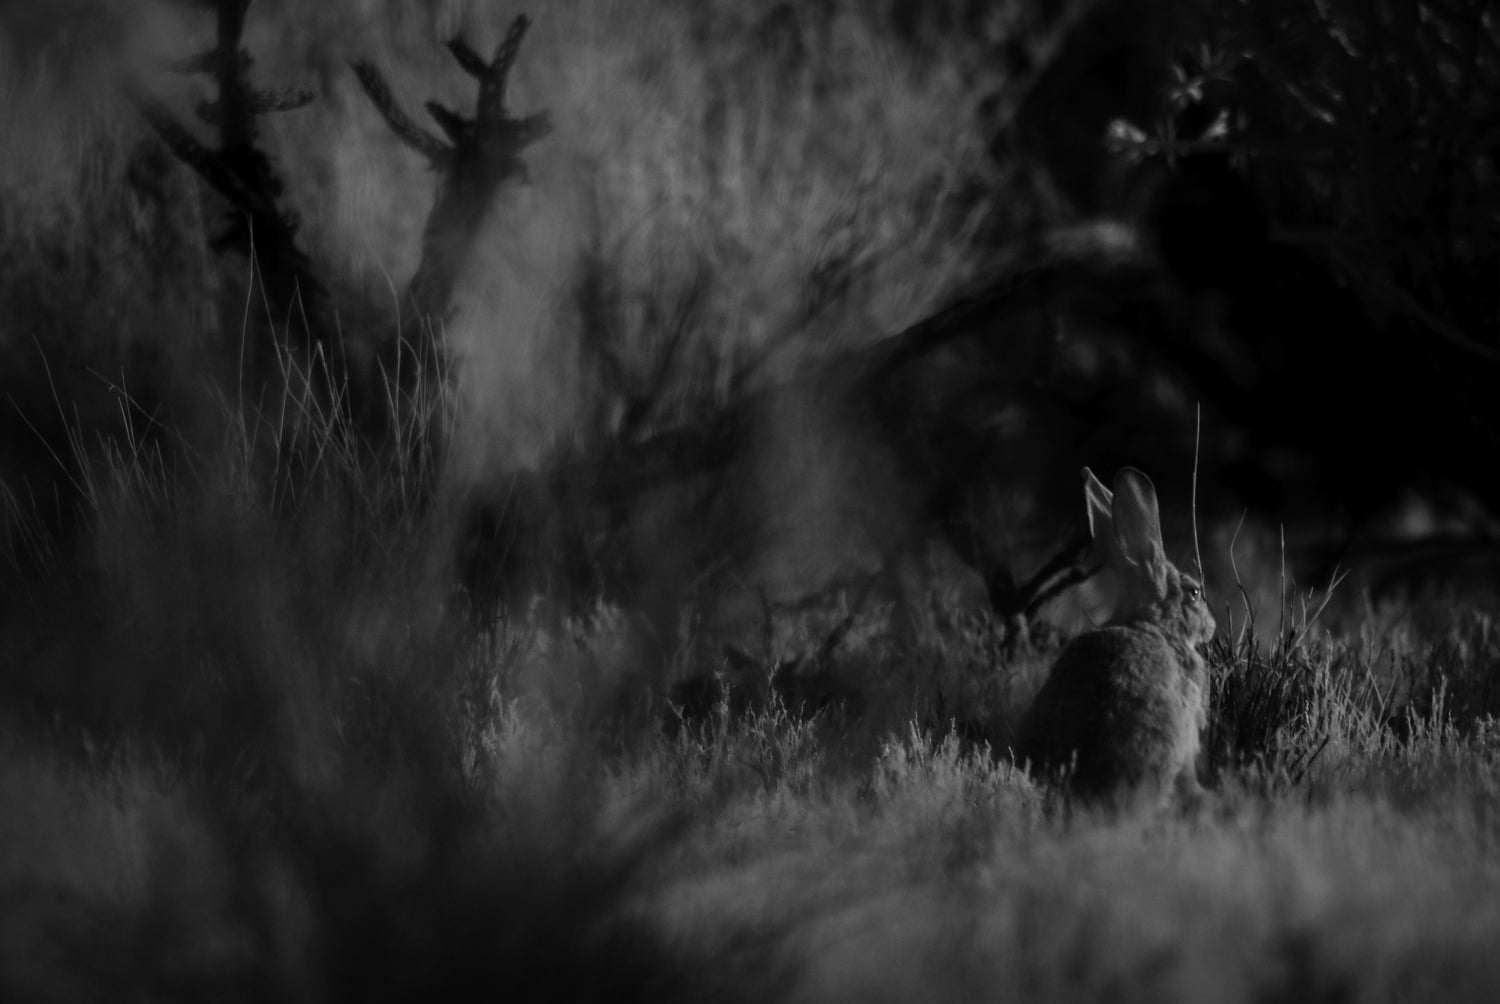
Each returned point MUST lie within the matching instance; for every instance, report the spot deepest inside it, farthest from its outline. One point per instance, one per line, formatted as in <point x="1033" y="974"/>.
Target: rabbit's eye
<point x="1193" y="593"/>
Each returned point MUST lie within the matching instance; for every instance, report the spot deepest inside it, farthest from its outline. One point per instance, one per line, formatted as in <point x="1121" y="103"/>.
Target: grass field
<point x="343" y="825"/>
<point x="262" y="746"/>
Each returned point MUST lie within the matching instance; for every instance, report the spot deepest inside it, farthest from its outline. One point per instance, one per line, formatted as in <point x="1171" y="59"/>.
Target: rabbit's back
<point x="1122" y="710"/>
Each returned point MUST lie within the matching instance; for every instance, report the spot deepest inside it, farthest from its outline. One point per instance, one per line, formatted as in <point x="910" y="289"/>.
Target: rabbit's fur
<point x="1122" y="713"/>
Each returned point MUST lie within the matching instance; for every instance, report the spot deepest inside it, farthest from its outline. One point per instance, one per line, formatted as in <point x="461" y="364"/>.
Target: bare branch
<point x="284" y="100"/>
<point x="191" y="151"/>
<point x="434" y="149"/>
<point x="258" y="103"/>
<point x="1064" y="570"/>
<point x="459" y="129"/>
<point x="496" y="80"/>
<point x="472" y="62"/>
<point x="1385" y="290"/>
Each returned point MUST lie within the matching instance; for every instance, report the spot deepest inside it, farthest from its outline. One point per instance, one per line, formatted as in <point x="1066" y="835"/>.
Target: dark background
<point x="1248" y="248"/>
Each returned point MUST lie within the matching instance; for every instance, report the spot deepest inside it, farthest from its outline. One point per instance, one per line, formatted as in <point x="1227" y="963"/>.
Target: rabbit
<point x="1122" y="713"/>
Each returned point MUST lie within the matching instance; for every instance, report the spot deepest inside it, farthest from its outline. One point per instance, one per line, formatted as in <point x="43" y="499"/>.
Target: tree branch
<point x="425" y="143"/>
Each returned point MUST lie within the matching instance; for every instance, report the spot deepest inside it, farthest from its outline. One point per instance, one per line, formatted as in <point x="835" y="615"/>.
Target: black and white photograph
<point x="750" y="501"/>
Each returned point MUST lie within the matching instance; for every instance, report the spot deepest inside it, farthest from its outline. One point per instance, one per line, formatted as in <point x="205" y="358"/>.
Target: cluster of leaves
<point x="1372" y="127"/>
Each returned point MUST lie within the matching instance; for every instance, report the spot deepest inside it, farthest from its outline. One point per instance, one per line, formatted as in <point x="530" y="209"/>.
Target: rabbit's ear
<point x="1138" y="529"/>
<point x="1098" y="499"/>
<point x="1099" y="503"/>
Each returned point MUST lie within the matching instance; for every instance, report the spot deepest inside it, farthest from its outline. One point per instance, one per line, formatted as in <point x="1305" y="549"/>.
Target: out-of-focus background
<point x="680" y="406"/>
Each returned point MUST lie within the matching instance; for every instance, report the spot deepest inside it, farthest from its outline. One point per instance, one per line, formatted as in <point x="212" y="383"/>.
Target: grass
<point x="255" y="743"/>
<point x="293" y="787"/>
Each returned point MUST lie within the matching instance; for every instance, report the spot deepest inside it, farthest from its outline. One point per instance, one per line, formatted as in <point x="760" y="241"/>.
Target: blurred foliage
<point x="839" y="277"/>
<point x="1367" y="131"/>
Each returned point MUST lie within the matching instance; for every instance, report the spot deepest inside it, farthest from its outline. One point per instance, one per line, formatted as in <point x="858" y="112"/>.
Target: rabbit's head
<point x="1126" y="527"/>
